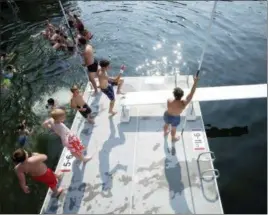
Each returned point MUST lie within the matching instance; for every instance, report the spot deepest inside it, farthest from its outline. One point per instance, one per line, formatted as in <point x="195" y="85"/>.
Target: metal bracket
<point x="191" y="116"/>
<point x="125" y="114"/>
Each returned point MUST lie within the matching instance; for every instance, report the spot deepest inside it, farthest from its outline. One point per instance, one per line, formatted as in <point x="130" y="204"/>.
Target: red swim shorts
<point x="49" y="178"/>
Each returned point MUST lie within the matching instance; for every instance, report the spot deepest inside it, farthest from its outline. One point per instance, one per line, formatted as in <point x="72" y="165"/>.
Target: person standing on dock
<point x="107" y="83"/>
<point x="90" y="62"/>
<point x="78" y="103"/>
<point x="33" y="164"/>
<point x="174" y="108"/>
<point x="68" y="138"/>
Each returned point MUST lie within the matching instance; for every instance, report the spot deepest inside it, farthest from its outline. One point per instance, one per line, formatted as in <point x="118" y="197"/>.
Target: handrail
<point x="209" y="178"/>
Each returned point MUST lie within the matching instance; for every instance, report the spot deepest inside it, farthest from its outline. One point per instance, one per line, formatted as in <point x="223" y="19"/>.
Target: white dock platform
<point x="134" y="168"/>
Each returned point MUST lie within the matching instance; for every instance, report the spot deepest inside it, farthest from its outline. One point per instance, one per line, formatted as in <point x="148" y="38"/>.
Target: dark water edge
<point x="242" y="160"/>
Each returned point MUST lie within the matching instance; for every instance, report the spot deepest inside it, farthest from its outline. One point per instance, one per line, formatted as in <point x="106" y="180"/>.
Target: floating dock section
<point x="134" y="168"/>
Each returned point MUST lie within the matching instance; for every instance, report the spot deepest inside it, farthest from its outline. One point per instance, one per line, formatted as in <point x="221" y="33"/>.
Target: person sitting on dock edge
<point x="174" y="108"/>
<point x="78" y="103"/>
<point x="107" y="83"/>
<point x="33" y="164"/>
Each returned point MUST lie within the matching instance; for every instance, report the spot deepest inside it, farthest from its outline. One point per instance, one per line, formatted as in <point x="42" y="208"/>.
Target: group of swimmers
<point x="33" y="163"/>
<point x="58" y="37"/>
<point x="7" y="70"/>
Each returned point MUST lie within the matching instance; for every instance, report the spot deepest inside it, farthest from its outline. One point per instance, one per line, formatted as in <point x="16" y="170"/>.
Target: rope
<point x="207" y="37"/>
<point x="67" y="23"/>
<point x="66" y="20"/>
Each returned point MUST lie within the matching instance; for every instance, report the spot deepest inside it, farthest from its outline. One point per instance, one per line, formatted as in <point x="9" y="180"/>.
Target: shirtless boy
<point x="90" y="62"/>
<point x="23" y="133"/>
<point x="33" y="164"/>
<point x="106" y="83"/>
<point x="174" y="109"/>
<point x="78" y="103"/>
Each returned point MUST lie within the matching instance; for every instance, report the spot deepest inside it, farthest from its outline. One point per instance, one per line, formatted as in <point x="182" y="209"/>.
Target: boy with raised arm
<point x="33" y="165"/>
<point x="174" y="109"/>
<point x="107" y="83"/>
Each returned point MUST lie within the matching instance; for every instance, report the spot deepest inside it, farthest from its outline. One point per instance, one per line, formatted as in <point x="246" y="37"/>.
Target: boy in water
<point x="174" y="109"/>
<point x="78" y="103"/>
<point x="52" y="104"/>
<point x="107" y="83"/>
<point x="23" y="133"/>
<point x="33" y="164"/>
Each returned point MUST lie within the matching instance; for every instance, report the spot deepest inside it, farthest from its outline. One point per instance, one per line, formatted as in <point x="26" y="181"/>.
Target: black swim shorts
<point x="86" y="112"/>
<point x="93" y="67"/>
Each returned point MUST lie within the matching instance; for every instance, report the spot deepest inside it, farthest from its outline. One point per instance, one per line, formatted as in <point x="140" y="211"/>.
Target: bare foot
<point x="90" y="120"/>
<point x="119" y="92"/>
<point x="112" y="113"/>
<point x="175" y="139"/>
<point x="59" y="175"/>
<point x="59" y="192"/>
<point x="86" y="159"/>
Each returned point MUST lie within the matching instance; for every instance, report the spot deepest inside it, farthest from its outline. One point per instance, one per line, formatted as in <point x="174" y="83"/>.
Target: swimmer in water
<point x="174" y="108"/>
<point x="78" y="103"/>
<point x="10" y="70"/>
<point x="49" y="30"/>
<point x="52" y="104"/>
<point x="4" y="57"/>
<point x="55" y="37"/>
<point x="90" y="62"/>
<point x="71" y="19"/>
<point x="23" y="133"/>
<point x="78" y="22"/>
<point x="33" y="165"/>
<point x="59" y="45"/>
<point x="107" y="84"/>
<point x="68" y="138"/>
<point x="84" y="33"/>
<point x="69" y="43"/>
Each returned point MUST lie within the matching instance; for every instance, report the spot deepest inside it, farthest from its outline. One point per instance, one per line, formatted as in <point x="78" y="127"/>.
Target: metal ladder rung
<point x="213" y="157"/>
<point x="209" y="178"/>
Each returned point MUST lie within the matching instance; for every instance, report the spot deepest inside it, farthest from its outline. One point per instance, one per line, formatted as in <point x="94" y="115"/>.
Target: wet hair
<point x="19" y="156"/>
<point x="74" y="88"/>
<point x="61" y="34"/>
<point x="104" y="63"/>
<point x="82" y="40"/>
<point x="57" y="113"/>
<point x="9" y="67"/>
<point x="81" y="28"/>
<point x="178" y="93"/>
<point x="65" y="37"/>
<point x="57" y="31"/>
<point x="50" y="101"/>
<point x="75" y="16"/>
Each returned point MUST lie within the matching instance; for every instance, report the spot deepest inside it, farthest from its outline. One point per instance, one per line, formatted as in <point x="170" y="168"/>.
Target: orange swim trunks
<point x="49" y="178"/>
<point x="75" y="145"/>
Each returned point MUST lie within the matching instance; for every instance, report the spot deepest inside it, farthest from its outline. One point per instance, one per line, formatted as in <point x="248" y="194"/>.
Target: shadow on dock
<point x="174" y="180"/>
<point x="104" y="157"/>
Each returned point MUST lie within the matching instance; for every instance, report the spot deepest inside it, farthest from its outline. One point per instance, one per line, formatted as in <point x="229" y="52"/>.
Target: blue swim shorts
<point x="173" y="120"/>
